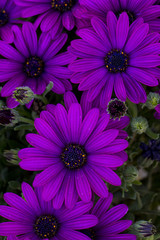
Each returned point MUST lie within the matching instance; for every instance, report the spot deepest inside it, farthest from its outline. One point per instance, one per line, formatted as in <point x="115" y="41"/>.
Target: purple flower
<point x="9" y="13"/>
<point x="37" y="219"/>
<point x="86" y="106"/>
<point x="74" y="154"/>
<point x="33" y="63"/>
<point x="116" y="57"/>
<point x="110" y="226"/>
<point x="135" y="10"/>
<point x="53" y="14"/>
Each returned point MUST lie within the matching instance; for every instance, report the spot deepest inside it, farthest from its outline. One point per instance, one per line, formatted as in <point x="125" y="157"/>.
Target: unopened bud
<point x="143" y="229"/>
<point x="139" y="125"/>
<point x="130" y="174"/>
<point x="153" y="99"/>
<point x="116" y="108"/>
<point x="8" y="117"/>
<point x="23" y="95"/>
<point x="11" y="156"/>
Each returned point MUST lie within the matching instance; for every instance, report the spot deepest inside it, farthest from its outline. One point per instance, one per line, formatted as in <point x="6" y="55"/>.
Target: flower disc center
<point x="33" y="67"/>
<point x="90" y="233"/>
<point x="62" y="5"/>
<point x="116" y="61"/>
<point x="3" y="17"/>
<point x="73" y="156"/>
<point x="46" y="227"/>
<point x="131" y="15"/>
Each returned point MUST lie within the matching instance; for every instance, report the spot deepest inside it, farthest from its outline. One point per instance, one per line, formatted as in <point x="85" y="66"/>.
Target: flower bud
<point x="11" y="156"/>
<point x="130" y="174"/>
<point x="143" y="229"/>
<point x="8" y="117"/>
<point x="38" y="106"/>
<point x="23" y="95"/>
<point x="116" y="108"/>
<point x="153" y="99"/>
<point x="139" y="125"/>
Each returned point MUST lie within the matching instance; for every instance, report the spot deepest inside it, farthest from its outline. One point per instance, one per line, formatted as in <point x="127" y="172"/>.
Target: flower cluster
<point x="111" y="49"/>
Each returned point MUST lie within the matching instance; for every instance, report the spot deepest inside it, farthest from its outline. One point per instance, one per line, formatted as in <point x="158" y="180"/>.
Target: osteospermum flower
<point x="110" y="226"/>
<point x="9" y="14"/>
<point x="53" y="14"/>
<point x="116" y="57"/>
<point x="74" y="155"/>
<point x="33" y="63"/>
<point x="33" y="218"/>
<point x="147" y="9"/>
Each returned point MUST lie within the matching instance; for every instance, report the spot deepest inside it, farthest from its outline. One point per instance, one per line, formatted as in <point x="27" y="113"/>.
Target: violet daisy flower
<point x="53" y="14"/>
<point x="86" y="106"/>
<point x="74" y="154"/>
<point x="9" y="13"/>
<point x="110" y="226"/>
<point x="36" y="219"/>
<point x="33" y="63"/>
<point x="116" y="56"/>
<point x="147" y="9"/>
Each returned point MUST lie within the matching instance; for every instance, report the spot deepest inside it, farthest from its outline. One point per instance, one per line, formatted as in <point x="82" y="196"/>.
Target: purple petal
<point x="112" y="23"/>
<point x="14" y="228"/>
<point x="47" y="132"/>
<point x="101" y="140"/>
<point x="82" y="186"/>
<point x="43" y="144"/>
<point x="108" y="175"/>
<point x="122" y="30"/>
<point x="119" y="87"/>
<point x="30" y="37"/>
<point x="136" y="38"/>
<point x="74" y="122"/>
<point x="93" y="79"/>
<point x="31" y="198"/>
<point x="96" y="183"/>
<point x="71" y="195"/>
<point x="105" y="160"/>
<point x="68" y="20"/>
<point x="49" y="173"/>
<point x="88" y="125"/>
<point x="69" y="98"/>
<point x="51" y="188"/>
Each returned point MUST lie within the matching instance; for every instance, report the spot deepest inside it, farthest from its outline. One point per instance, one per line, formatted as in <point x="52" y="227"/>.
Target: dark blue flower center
<point x="3" y="17"/>
<point x="116" y="108"/>
<point x="73" y="156"/>
<point x="62" y="5"/>
<point x="33" y="67"/>
<point x="90" y="233"/>
<point x="116" y="61"/>
<point x="46" y="227"/>
<point x="131" y="15"/>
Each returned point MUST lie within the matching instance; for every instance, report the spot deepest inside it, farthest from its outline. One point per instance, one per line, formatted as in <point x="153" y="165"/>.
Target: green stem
<point x="48" y="89"/>
<point x="26" y="120"/>
<point x="42" y="98"/>
<point x="151" y="134"/>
